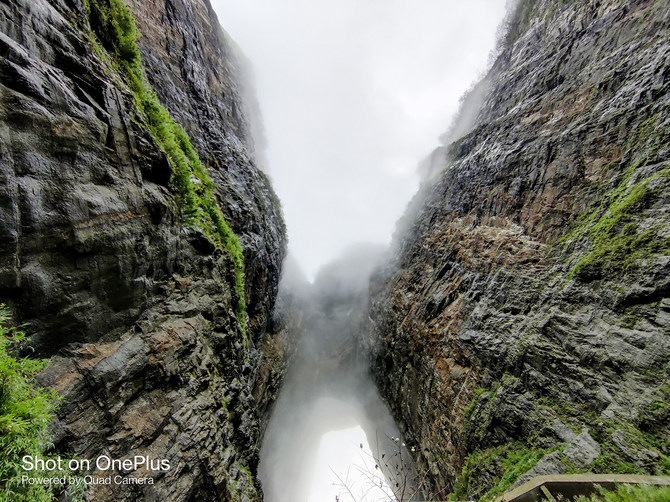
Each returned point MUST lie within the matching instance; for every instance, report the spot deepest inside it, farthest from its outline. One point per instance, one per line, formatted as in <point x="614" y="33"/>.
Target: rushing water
<point x="329" y="427"/>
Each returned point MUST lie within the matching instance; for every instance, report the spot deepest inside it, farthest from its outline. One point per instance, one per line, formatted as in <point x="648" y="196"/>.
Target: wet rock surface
<point x="138" y="310"/>
<point x="203" y="79"/>
<point x="86" y="228"/>
<point x="174" y="387"/>
<point x="278" y="348"/>
<point x="524" y="299"/>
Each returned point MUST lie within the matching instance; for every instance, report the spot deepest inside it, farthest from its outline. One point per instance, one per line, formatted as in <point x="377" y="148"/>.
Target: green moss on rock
<point x="498" y="467"/>
<point x="617" y="240"/>
<point x="618" y="245"/>
<point x="113" y="25"/>
<point x="630" y="493"/>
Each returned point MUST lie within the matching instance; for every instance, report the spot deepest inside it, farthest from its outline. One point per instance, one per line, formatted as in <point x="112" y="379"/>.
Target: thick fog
<point x="329" y="427"/>
<point x="354" y="93"/>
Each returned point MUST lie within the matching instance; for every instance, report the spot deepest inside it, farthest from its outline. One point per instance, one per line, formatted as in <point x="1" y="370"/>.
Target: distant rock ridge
<point x="527" y="302"/>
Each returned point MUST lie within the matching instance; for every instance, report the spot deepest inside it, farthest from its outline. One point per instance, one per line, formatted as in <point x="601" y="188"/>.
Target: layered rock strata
<point x="524" y="317"/>
<point x="139" y="307"/>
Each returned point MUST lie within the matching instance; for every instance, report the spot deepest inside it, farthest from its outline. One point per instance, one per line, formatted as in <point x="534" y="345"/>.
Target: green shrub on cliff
<point x="498" y="467"/>
<point x="618" y="244"/>
<point x="124" y="24"/>
<point x="618" y="237"/>
<point x="194" y="188"/>
<point x="118" y="21"/>
<point x="25" y="414"/>
<point x="630" y="493"/>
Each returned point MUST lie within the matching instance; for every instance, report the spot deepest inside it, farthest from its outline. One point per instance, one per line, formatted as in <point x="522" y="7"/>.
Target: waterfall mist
<point x="353" y="95"/>
<point x="327" y="388"/>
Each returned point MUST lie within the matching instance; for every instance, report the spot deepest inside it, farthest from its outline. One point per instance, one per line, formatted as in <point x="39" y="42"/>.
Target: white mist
<point x="354" y="94"/>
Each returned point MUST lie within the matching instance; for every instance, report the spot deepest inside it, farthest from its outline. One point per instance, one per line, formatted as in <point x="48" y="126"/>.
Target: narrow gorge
<point x="517" y="325"/>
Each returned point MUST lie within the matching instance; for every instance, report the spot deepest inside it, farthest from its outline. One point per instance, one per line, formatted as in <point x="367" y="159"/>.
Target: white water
<point x="329" y="427"/>
<point x="317" y="448"/>
<point x="324" y="455"/>
<point x="342" y="457"/>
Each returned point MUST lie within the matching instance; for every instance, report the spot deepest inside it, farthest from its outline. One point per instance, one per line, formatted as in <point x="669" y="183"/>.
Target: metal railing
<point x="573" y="485"/>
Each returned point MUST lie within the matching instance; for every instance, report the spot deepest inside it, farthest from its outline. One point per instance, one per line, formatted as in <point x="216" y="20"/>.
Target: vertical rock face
<point x="139" y="310"/>
<point x="88" y="223"/>
<point x="200" y="75"/>
<point x="526" y="307"/>
<point x="278" y="346"/>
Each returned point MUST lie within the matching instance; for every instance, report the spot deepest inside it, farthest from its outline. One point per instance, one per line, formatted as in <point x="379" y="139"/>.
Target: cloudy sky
<point x="354" y="93"/>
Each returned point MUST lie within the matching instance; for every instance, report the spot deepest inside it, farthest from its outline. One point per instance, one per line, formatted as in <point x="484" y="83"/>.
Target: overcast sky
<point x="354" y="93"/>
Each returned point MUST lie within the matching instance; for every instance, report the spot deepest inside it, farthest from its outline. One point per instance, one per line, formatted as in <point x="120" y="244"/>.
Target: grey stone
<point x="561" y="431"/>
<point x="549" y="464"/>
<point x="582" y="450"/>
<point x="138" y="312"/>
<point x="482" y="274"/>
<point x="642" y="457"/>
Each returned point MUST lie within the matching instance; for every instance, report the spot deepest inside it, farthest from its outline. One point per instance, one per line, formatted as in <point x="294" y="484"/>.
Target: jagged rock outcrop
<point x="527" y="300"/>
<point x="140" y="309"/>
<point x="176" y="387"/>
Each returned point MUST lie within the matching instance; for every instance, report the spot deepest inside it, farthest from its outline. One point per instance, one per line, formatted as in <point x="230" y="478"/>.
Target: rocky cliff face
<point x="201" y="76"/>
<point x="524" y="319"/>
<point x="140" y="308"/>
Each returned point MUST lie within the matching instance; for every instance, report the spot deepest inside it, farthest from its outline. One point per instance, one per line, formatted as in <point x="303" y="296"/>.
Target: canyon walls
<point x="523" y="320"/>
<point x="520" y="326"/>
<point x="141" y="305"/>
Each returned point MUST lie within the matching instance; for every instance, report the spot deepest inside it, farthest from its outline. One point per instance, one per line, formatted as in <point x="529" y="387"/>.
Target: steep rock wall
<point x="139" y="309"/>
<point x="525" y="313"/>
<point x="201" y="76"/>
